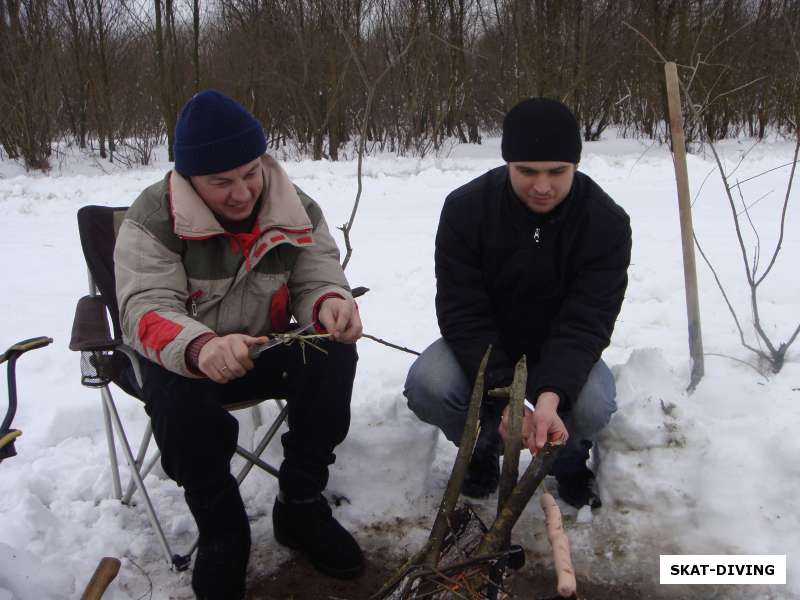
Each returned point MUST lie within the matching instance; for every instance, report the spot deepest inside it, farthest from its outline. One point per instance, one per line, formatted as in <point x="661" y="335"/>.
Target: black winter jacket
<point x="548" y="286"/>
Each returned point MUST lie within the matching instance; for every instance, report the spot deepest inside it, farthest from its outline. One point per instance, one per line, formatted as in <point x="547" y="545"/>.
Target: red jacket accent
<point x="155" y="331"/>
<point x="315" y="312"/>
<point x="279" y="310"/>
<point x="244" y="242"/>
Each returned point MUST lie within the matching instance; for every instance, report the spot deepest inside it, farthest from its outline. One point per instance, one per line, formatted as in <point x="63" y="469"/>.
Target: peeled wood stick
<point x="103" y="575"/>
<point x="560" y="544"/>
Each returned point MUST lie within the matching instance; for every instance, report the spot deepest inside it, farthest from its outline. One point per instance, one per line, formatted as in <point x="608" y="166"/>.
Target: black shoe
<point x="483" y="474"/>
<point x="309" y="527"/>
<point x="578" y="489"/>
<point x="220" y="568"/>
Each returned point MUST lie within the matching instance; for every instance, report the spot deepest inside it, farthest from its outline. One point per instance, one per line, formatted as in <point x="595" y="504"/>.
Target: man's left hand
<point x="340" y="317"/>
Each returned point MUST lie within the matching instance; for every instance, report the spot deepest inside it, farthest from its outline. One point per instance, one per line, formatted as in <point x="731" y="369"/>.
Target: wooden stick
<point x="429" y="554"/>
<point x="465" y="448"/>
<point x="516" y="407"/>
<point x="559" y="542"/>
<point x="501" y="529"/>
<point x="103" y="575"/>
<point x="687" y="229"/>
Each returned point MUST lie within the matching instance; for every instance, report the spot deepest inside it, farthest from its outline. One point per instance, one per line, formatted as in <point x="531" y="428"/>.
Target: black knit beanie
<point x="214" y="133"/>
<point x="540" y="129"/>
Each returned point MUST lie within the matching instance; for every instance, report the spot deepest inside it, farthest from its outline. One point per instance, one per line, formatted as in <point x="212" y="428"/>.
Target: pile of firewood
<point x="464" y="559"/>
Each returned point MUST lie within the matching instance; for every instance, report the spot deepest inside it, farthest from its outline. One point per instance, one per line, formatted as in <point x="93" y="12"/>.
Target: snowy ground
<point x="711" y="473"/>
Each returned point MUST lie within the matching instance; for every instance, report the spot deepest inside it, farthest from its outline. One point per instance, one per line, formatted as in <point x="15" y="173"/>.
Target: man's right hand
<point x="225" y="358"/>
<point x="539" y="426"/>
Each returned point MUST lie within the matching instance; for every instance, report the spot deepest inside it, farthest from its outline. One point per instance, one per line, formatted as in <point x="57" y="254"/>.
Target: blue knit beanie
<point x="214" y="133"/>
<point x="540" y="129"/>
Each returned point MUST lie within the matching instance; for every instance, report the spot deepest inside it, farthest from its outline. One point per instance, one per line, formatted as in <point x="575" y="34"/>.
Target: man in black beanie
<point x="210" y="262"/>
<point x="531" y="258"/>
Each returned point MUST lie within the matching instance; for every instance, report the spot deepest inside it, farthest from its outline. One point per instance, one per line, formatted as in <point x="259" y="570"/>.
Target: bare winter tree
<point x="68" y="70"/>
<point x="769" y="351"/>
<point x="27" y="128"/>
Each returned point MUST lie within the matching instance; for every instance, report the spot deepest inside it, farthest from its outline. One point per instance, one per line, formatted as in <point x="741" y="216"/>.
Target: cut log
<point x="559" y="542"/>
<point x="104" y="574"/>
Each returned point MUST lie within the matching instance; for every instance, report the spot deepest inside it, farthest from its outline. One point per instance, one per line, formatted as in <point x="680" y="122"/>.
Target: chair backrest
<point x="98" y="227"/>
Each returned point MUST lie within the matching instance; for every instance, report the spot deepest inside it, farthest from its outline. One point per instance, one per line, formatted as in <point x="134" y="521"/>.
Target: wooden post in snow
<point x="687" y="231"/>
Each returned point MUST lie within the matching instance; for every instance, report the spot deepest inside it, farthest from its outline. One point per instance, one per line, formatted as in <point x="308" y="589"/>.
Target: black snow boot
<point x="578" y="489"/>
<point x="224" y="545"/>
<point x="308" y="526"/>
<point x="483" y="472"/>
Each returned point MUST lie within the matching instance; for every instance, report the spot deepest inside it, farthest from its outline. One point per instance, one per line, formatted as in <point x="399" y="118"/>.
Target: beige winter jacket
<point x="180" y="274"/>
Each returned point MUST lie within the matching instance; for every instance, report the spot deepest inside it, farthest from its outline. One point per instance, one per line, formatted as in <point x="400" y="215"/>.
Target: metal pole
<point x="687" y="230"/>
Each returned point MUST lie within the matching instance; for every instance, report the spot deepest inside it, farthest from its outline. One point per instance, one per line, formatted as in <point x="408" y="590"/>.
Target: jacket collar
<point x="281" y="207"/>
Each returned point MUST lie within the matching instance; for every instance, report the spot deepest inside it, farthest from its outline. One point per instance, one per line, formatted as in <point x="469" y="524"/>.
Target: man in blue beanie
<point x="210" y="262"/>
<point x="531" y="258"/>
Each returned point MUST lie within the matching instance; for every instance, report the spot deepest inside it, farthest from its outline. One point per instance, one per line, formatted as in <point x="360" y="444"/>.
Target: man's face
<point x="541" y="185"/>
<point x="232" y="194"/>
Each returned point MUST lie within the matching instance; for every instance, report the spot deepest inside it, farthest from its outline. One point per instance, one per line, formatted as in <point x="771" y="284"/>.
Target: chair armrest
<point x="90" y="330"/>
<point x="135" y="364"/>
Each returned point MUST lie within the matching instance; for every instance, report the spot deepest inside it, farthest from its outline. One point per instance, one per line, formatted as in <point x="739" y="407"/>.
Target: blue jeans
<point x="438" y="393"/>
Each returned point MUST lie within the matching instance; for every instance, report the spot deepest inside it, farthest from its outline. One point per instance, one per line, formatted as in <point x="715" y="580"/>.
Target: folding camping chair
<point x="105" y="360"/>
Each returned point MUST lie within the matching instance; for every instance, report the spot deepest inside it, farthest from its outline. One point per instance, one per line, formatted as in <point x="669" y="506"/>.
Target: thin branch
<point x="754" y="202"/>
<point x="765" y="172"/>
<point x="646" y="39"/>
<point x="736" y="89"/>
<point x="783" y="213"/>
<point x="371" y="88"/>
<point x="725" y="297"/>
<point x="743" y="156"/>
<point x="793" y="337"/>
<point x="757" y="251"/>
<point x="740" y="361"/>
<point x="728" y="193"/>
<point x="702" y="185"/>
<point x="385" y="343"/>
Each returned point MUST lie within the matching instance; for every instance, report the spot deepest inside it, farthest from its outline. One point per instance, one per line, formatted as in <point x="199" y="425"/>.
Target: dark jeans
<point x="197" y="435"/>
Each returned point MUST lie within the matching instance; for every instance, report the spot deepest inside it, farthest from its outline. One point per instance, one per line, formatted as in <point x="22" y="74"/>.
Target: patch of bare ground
<point x="296" y="579"/>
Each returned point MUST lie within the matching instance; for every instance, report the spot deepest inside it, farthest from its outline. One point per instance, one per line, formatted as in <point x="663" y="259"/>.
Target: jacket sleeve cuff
<point x="317" y="306"/>
<point x="193" y="349"/>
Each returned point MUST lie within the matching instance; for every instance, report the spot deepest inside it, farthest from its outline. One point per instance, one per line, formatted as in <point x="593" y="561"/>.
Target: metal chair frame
<point x="115" y="434"/>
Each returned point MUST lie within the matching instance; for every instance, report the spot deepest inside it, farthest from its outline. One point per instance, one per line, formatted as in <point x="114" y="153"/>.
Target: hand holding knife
<point x="275" y="341"/>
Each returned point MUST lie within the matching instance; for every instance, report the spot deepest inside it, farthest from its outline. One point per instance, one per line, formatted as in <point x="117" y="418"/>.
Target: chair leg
<point x="176" y="561"/>
<point x="255" y="413"/>
<point x="148" y="433"/>
<point x="253" y="458"/>
<point x="112" y="450"/>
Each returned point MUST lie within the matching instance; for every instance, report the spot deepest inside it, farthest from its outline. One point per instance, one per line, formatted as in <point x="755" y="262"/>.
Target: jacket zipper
<point x="193" y="298"/>
<point x="537" y="235"/>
